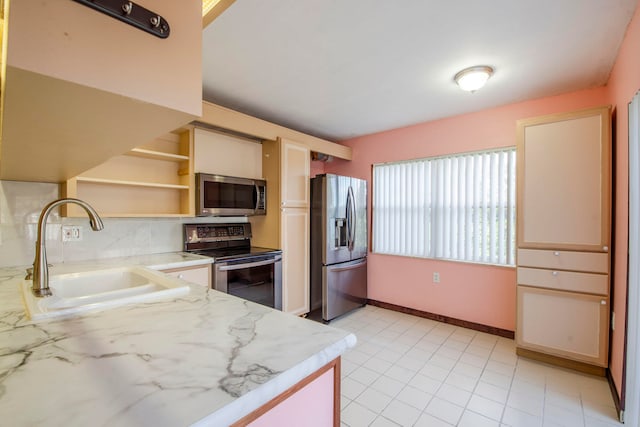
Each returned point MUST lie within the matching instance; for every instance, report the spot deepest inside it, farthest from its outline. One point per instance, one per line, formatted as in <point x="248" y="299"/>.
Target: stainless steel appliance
<point x="239" y="269"/>
<point x="219" y="195"/>
<point x="338" y="244"/>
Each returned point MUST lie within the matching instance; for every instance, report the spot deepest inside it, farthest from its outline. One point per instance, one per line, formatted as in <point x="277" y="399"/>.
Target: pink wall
<point x="317" y="167"/>
<point x="476" y="293"/>
<point x="623" y="84"/>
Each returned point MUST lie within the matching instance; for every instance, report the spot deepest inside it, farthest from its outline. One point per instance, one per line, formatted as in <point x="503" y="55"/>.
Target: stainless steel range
<point x="239" y="269"/>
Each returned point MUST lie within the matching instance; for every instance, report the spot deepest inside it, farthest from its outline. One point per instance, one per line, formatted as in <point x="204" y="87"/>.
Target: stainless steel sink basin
<point x="76" y="293"/>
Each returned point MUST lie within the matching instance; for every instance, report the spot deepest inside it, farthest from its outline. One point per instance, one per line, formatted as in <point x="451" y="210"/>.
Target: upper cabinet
<point x="79" y="87"/>
<point x="564" y="184"/>
<point x="295" y="165"/>
<point x="223" y="154"/>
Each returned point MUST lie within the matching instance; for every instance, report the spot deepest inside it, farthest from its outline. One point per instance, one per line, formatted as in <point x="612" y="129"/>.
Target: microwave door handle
<point x="246" y="265"/>
<point x="255" y="184"/>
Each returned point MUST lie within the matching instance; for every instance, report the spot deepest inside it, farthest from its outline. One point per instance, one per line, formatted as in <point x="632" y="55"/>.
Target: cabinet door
<point x="295" y="260"/>
<point x="241" y="158"/>
<point x="564" y="324"/>
<point x="563" y="181"/>
<point x="295" y="173"/>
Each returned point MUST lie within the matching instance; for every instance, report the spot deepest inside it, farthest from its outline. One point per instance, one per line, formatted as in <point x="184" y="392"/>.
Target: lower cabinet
<point x="313" y="402"/>
<point x="563" y="324"/>
<point x="295" y="260"/>
<point x="199" y="274"/>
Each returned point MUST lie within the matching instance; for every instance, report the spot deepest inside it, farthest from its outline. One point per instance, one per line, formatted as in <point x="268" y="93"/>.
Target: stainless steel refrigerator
<point x="338" y="244"/>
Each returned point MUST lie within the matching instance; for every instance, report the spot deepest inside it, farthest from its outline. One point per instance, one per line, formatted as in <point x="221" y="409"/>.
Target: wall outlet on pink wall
<point x="436" y="277"/>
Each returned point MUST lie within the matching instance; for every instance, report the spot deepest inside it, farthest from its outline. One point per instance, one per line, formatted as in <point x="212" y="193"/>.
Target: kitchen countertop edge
<point x="260" y="396"/>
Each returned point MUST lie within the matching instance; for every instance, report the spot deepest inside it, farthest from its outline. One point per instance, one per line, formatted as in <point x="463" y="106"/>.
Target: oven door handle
<point x="246" y="265"/>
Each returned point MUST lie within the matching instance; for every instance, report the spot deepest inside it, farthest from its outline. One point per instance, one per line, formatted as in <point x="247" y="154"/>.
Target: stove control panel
<point x="202" y="233"/>
<point x="212" y="232"/>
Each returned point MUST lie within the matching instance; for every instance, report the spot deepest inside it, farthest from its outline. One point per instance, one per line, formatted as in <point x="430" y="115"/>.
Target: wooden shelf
<point x="157" y="155"/>
<point x="131" y="183"/>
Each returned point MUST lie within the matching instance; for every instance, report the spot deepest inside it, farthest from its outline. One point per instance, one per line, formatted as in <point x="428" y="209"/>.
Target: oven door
<point x="257" y="279"/>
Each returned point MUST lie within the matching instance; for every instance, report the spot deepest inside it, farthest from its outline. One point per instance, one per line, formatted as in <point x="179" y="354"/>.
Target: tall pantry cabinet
<point x="286" y="167"/>
<point x="563" y="259"/>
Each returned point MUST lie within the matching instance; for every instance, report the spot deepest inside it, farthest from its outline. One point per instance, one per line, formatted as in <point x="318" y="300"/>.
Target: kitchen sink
<point x="96" y="290"/>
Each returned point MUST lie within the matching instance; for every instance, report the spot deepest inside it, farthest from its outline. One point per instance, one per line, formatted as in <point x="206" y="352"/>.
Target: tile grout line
<point x="484" y="368"/>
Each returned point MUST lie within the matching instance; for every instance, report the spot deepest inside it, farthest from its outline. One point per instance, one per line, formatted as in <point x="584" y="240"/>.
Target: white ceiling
<point x="343" y="68"/>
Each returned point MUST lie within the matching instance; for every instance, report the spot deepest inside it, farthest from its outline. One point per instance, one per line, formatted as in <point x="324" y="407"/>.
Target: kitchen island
<point x="207" y="358"/>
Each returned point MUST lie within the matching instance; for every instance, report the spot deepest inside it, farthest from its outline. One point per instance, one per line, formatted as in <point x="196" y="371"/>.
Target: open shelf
<point x="131" y="183"/>
<point x="153" y="180"/>
<point x="157" y="155"/>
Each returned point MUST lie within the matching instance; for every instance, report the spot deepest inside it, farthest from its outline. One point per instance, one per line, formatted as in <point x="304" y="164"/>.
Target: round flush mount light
<point x="473" y="78"/>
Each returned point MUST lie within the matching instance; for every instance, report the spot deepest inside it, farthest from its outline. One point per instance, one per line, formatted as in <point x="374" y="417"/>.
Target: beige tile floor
<point x="409" y="371"/>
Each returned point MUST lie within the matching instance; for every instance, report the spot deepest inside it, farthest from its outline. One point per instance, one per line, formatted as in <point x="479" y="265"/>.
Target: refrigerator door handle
<point x="349" y="266"/>
<point x="348" y="219"/>
<point x="351" y="218"/>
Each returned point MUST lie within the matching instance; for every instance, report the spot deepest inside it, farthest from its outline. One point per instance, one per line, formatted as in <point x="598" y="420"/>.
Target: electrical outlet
<point x="71" y="233"/>
<point x="436" y="277"/>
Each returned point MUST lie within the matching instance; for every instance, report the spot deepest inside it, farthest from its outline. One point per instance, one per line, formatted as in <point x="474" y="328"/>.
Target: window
<point x="459" y="207"/>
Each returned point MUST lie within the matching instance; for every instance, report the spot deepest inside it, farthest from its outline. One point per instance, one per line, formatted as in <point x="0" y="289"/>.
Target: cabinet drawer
<point x="200" y="275"/>
<point x="590" y="283"/>
<point x="594" y="262"/>
<point x="563" y="324"/>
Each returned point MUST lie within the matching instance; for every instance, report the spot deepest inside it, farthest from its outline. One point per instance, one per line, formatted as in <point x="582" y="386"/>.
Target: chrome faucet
<point x="40" y="268"/>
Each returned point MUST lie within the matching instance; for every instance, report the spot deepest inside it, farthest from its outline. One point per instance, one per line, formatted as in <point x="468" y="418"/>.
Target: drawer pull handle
<point x="556" y="253"/>
<point x="605" y="248"/>
<point x="555" y="273"/>
<point x="603" y="302"/>
<point x="180" y="276"/>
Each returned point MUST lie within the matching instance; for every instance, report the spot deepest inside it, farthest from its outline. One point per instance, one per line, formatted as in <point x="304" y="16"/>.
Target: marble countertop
<point x="207" y="358"/>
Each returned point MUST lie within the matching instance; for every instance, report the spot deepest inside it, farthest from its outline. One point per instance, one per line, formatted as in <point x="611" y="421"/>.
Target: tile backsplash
<point x="20" y="207"/>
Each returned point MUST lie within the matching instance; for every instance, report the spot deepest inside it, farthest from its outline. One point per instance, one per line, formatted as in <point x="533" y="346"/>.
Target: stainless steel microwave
<point x="219" y="195"/>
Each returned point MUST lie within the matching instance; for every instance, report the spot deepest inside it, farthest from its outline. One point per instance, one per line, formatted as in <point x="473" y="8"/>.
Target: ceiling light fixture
<point x="473" y="78"/>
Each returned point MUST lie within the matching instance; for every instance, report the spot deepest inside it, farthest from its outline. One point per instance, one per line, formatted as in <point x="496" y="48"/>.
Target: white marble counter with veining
<point x="206" y="359"/>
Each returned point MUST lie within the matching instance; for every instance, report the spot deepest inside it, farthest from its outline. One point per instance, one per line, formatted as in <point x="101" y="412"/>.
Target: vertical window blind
<point x="459" y="207"/>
